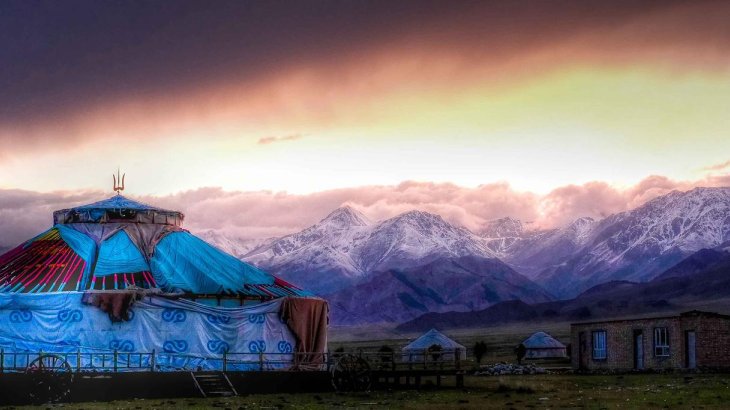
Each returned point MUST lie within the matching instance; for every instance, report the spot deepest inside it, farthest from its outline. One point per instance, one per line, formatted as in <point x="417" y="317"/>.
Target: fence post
<point x="78" y="360"/>
<point x="116" y="355"/>
<point x="152" y="361"/>
<point x="261" y="361"/>
<point x="225" y="359"/>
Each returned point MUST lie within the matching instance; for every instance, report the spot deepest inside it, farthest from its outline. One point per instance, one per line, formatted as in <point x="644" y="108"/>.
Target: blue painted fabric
<point x="83" y="245"/>
<point x="118" y="254"/>
<point x="183" y="261"/>
<point x="184" y="335"/>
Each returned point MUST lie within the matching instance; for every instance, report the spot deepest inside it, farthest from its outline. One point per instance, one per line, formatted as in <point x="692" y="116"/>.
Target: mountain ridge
<point x="704" y="282"/>
<point x="450" y="283"/>
<point x="337" y="253"/>
<point x="346" y="249"/>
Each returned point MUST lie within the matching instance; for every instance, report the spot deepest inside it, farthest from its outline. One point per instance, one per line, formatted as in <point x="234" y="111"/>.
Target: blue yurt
<point x="122" y="279"/>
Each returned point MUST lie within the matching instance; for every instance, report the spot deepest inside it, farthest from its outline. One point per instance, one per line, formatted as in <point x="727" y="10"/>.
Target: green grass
<point x="645" y="391"/>
<point x="544" y="391"/>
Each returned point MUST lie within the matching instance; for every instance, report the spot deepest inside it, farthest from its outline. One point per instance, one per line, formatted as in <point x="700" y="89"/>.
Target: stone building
<point x="689" y="340"/>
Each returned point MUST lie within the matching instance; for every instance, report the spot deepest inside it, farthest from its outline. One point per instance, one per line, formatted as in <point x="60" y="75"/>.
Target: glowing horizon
<point x="631" y="122"/>
<point x="479" y="95"/>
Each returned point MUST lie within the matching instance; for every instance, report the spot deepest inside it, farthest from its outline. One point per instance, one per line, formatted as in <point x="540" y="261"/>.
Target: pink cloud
<point x="262" y="214"/>
<point x="718" y="167"/>
<point x="283" y="138"/>
<point x="25" y="214"/>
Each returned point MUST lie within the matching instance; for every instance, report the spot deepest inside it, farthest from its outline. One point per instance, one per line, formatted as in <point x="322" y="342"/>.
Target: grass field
<point x="564" y="391"/>
<point x="505" y="392"/>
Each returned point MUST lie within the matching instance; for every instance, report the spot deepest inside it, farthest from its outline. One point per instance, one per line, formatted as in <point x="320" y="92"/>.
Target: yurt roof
<point x="433" y="337"/>
<point x="542" y="340"/>
<point x="117" y="209"/>
<point x="119" y="202"/>
<point x="116" y="255"/>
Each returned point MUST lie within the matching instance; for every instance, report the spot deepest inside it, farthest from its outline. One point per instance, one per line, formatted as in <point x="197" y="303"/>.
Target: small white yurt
<point x="541" y="345"/>
<point x="415" y="351"/>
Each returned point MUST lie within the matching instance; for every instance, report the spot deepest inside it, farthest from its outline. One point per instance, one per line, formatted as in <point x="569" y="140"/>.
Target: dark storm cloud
<point x="62" y="57"/>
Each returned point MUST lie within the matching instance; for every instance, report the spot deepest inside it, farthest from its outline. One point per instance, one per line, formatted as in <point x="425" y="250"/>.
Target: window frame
<point x="604" y="348"/>
<point x="661" y="347"/>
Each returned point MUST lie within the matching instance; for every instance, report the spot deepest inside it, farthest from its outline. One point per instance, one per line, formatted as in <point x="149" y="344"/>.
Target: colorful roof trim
<point x="43" y="264"/>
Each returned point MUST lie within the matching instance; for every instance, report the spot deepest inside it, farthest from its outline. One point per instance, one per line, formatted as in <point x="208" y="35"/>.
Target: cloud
<point x="354" y="52"/>
<point x="600" y="199"/>
<point x="718" y="167"/>
<point x="25" y="214"/>
<point x="269" y="140"/>
<point x="263" y="214"/>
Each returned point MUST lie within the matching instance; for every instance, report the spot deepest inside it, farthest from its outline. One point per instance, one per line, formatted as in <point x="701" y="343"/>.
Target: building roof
<point x="433" y="337"/>
<point x="542" y="340"/>
<point x="700" y="313"/>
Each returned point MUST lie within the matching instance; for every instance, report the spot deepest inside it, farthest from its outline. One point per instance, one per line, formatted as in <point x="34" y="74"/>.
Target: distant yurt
<point x="415" y="351"/>
<point x="119" y="276"/>
<point x="541" y="345"/>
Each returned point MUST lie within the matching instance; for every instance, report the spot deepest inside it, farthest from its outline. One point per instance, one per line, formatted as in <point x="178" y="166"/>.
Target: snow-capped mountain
<point x="345" y="247"/>
<point x="634" y="245"/>
<point x="639" y="244"/>
<point x="322" y="256"/>
<point x="233" y="245"/>
<point x="342" y="254"/>
<point x="417" y="236"/>
<point x="503" y="228"/>
<point x="502" y="234"/>
<point x="540" y="249"/>
<point x="531" y="251"/>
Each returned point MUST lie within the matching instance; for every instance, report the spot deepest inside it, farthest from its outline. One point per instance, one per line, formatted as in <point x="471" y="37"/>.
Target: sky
<point x="273" y="113"/>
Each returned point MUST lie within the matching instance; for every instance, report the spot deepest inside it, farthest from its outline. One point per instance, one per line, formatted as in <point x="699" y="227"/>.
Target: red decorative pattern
<point x="43" y="264"/>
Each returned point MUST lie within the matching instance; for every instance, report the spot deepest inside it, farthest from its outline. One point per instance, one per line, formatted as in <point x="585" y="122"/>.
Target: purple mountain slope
<point x="638" y="245"/>
<point x="463" y="283"/>
<point x="700" y="281"/>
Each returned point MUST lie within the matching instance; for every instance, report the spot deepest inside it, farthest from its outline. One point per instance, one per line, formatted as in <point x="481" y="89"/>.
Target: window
<point x="599" y="345"/>
<point x="661" y="342"/>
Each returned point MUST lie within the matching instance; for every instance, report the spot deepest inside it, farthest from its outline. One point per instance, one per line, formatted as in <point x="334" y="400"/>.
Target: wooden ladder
<point x="215" y="384"/>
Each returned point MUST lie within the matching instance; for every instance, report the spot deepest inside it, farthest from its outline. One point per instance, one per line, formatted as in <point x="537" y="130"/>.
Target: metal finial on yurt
<point x="118" y="188"/>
